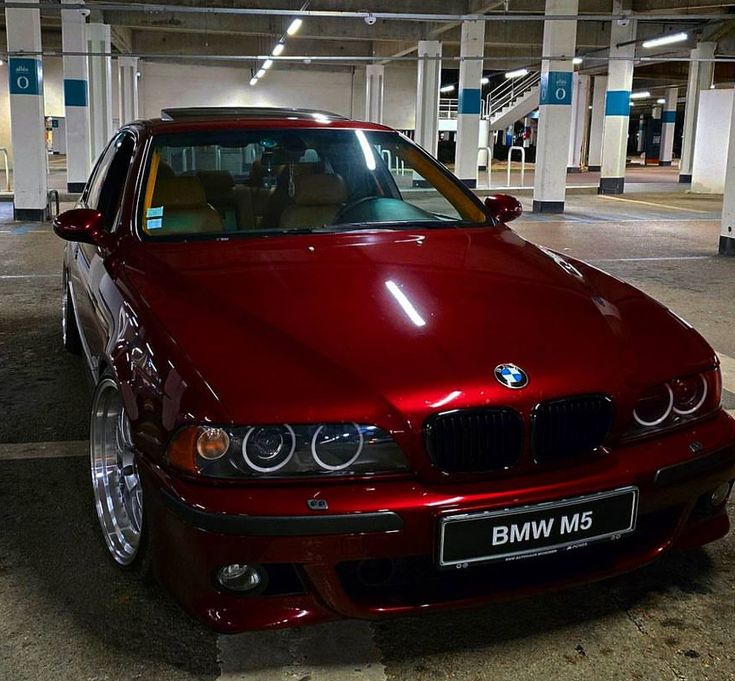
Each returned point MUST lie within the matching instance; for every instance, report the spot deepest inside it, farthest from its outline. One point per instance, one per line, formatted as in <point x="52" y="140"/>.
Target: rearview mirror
<point x="503" y="207"/>
<point x="81" y="224"/>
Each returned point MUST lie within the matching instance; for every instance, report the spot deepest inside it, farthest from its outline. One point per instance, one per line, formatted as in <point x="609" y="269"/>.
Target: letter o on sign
<point x="22" y="82"/>
<point x="560" y="94"/>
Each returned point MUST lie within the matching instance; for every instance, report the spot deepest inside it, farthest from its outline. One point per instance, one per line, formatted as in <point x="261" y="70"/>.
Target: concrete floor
<point x="65" y="613"/>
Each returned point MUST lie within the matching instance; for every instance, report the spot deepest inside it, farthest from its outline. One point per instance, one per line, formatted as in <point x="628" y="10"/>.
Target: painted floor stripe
<point x="337" y="651"/>
<point x="655" y="259"/>
<point x="28" y="276"/>
<point x="18" y="451"/>
<point x="651" y="203"/>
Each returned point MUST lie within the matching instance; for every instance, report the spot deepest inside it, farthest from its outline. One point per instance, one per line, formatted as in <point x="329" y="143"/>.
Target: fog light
<point x="719" y="495"/>
<point x="241" y="577"/>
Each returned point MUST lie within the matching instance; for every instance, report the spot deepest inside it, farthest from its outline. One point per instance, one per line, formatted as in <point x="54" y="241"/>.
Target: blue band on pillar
<point x="556" y="87"/>
<point x="75" y="92"/>
<point x="469" y="101"/>
<point x="25" y="76"/>
<point x="617" y="103"/>
<point x="668" y="117"/>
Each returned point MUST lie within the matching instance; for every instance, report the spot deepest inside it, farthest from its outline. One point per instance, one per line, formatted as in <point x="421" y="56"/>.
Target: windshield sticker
<point x="154" y="217"/>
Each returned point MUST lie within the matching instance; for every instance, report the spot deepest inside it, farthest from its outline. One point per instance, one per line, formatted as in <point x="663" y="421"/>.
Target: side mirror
<point x="503" y="207"/>
<point x="81" y="224"/>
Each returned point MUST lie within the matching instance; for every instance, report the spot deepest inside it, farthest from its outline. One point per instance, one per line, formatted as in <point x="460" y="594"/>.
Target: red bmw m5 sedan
<point x="332" y="382"/>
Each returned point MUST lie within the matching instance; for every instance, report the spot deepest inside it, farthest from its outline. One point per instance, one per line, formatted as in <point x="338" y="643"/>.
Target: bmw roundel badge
<point x="511" y="376"/>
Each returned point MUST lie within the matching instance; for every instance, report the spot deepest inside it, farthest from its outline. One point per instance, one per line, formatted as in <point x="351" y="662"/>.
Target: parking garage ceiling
<point x="336" y="35"/>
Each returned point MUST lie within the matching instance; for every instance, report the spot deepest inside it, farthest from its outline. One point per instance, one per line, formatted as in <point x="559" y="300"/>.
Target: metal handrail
<point x="523" y="163"/>
<point x="4" y="152"/>
<point x="449" y="108"/>
<point x="508" y="93"/>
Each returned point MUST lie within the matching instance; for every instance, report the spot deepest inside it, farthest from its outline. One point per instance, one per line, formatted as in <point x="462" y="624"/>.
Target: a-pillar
<point x="427" y="95"/>
<point x="668" y="123"/>
<point x="597" y="123"/>
<point x="617" y="103"/>
<point x="76" y="97"/>
<point x="700" y="78"/>
<point x="374" y="84"/>
<point x="100" y="86"/>
<point x="578" y="133"/>
<point x="555" y="111"/>
<point x="472" y="50"/>
<point x="27" y="122"/>
<point x="127" y="83"/>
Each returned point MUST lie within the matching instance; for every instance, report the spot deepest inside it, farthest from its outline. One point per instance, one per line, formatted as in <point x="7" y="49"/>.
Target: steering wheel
<point x="365" y="201"/>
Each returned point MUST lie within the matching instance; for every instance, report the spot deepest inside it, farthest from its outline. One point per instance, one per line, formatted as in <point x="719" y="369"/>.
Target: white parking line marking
<point x="337" y="651"/>
<point x="28" y="276"/>
<point x="651" y="203"/>
<point x="656" y="259"/>
<point x="18" y="451"/>
<point x="727" y="366"/>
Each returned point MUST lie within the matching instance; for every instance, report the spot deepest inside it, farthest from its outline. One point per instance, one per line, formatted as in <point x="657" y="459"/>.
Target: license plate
<point x="539" y="530"/>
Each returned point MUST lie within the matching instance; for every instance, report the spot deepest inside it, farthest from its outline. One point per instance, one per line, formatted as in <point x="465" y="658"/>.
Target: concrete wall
<point x="170" y="85"/>
<point x="710" y="146"/>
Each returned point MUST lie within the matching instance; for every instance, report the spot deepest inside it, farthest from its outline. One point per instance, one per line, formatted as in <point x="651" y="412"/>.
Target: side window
<point x="108" y="183"/>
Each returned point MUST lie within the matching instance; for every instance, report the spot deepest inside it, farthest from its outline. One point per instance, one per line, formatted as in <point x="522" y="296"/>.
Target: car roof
<point x="218" y="118"/>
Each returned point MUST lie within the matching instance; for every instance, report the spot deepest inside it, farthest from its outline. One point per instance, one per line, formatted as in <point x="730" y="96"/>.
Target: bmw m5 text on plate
<point x="331" y="382"/>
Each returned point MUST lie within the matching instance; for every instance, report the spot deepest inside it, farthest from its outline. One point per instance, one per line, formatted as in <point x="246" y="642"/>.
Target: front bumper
<point x="373" y="552"/>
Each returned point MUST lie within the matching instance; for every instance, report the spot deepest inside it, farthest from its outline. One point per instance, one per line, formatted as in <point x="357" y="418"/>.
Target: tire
<point x="69" y="329"/>
<point x="118" y="494"/>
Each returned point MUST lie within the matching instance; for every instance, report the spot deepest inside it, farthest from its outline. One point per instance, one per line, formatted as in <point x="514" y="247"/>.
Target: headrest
<point x="175" y="192"/>
<point x="165" y="171"/>
<point x="216" y="181"/>
<point x="320" y="189"/>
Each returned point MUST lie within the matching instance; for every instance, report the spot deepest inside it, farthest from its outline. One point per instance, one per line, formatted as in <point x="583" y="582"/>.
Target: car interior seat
<point x="184" y="207"/>
<point x="316" y="201"/>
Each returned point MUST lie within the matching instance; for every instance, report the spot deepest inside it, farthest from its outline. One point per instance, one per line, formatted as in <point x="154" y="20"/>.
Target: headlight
<point x="283" y="450"/>
<point x="675" y="403"/>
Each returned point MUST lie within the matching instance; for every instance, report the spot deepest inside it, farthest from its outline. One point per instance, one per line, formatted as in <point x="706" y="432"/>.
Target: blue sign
<point x="469" y="101"/>
<point x="556" y="87"/>
<point x="25" y="76"/>
<point x="75" y="92"/>
<point x="617" y="103"/>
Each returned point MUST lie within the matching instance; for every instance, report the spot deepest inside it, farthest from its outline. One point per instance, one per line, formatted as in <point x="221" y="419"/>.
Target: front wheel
<point x="118" y="494"/>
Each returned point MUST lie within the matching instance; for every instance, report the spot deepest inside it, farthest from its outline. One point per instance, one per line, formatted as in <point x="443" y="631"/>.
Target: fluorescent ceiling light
<point x="485" y="80"/>
<point x="279" y="47"/>
<point x="640" y="95"/>
<point x="267" y="64"/>
<point x="405" y="303"/>
<point x="253" y="80"/>
<point x="518" y="73"/>
<point x="665" y="40"/>
<point x="447" y="88"/>
<point x="577" y="61"/>
<point x="661" y="101"/>
<point x="294" y="26"/>
<point x="260" y="73"/>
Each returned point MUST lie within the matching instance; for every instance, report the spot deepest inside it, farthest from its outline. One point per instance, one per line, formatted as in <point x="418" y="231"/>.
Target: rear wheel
<point x="69" y="329"/>
<point x="118" y="493"/>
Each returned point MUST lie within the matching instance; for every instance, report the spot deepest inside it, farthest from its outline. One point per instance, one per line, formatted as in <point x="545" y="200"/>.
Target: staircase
<point x="512" y="100"/>
<point x="503" y="106"/>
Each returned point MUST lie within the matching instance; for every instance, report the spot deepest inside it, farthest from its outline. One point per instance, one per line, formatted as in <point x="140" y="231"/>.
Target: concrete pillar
<point x="374" y="83"/>
<point x="668" y="123"/>
<point x="727" y="231"/>
<point x="427" y="95"/>
<point x="100" y="86"/>
<point x="700" y="78"/>
<point x="472" y="50"/>
<point x="579" y="126"/>
<point x="127" y="84"/>
<point x="597" y="123"/>
<point x="555" y="111"/>
<point x="27" y="122"/>
<point x="76" y="97"/>
<point x="617" y="103"/>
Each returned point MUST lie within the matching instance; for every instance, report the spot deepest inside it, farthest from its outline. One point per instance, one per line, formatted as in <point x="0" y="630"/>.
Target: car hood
<point x="387" y="326"/>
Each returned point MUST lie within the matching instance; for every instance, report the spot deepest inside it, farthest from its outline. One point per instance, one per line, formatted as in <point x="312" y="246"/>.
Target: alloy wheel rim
<point x="117" y="491"/>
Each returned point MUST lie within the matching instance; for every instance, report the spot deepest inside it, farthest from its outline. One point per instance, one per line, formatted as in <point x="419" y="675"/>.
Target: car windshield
<point x="254" y="182"/>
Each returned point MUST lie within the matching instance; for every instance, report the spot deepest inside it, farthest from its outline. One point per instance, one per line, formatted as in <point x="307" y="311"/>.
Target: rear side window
<point x="106" y="186"/>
